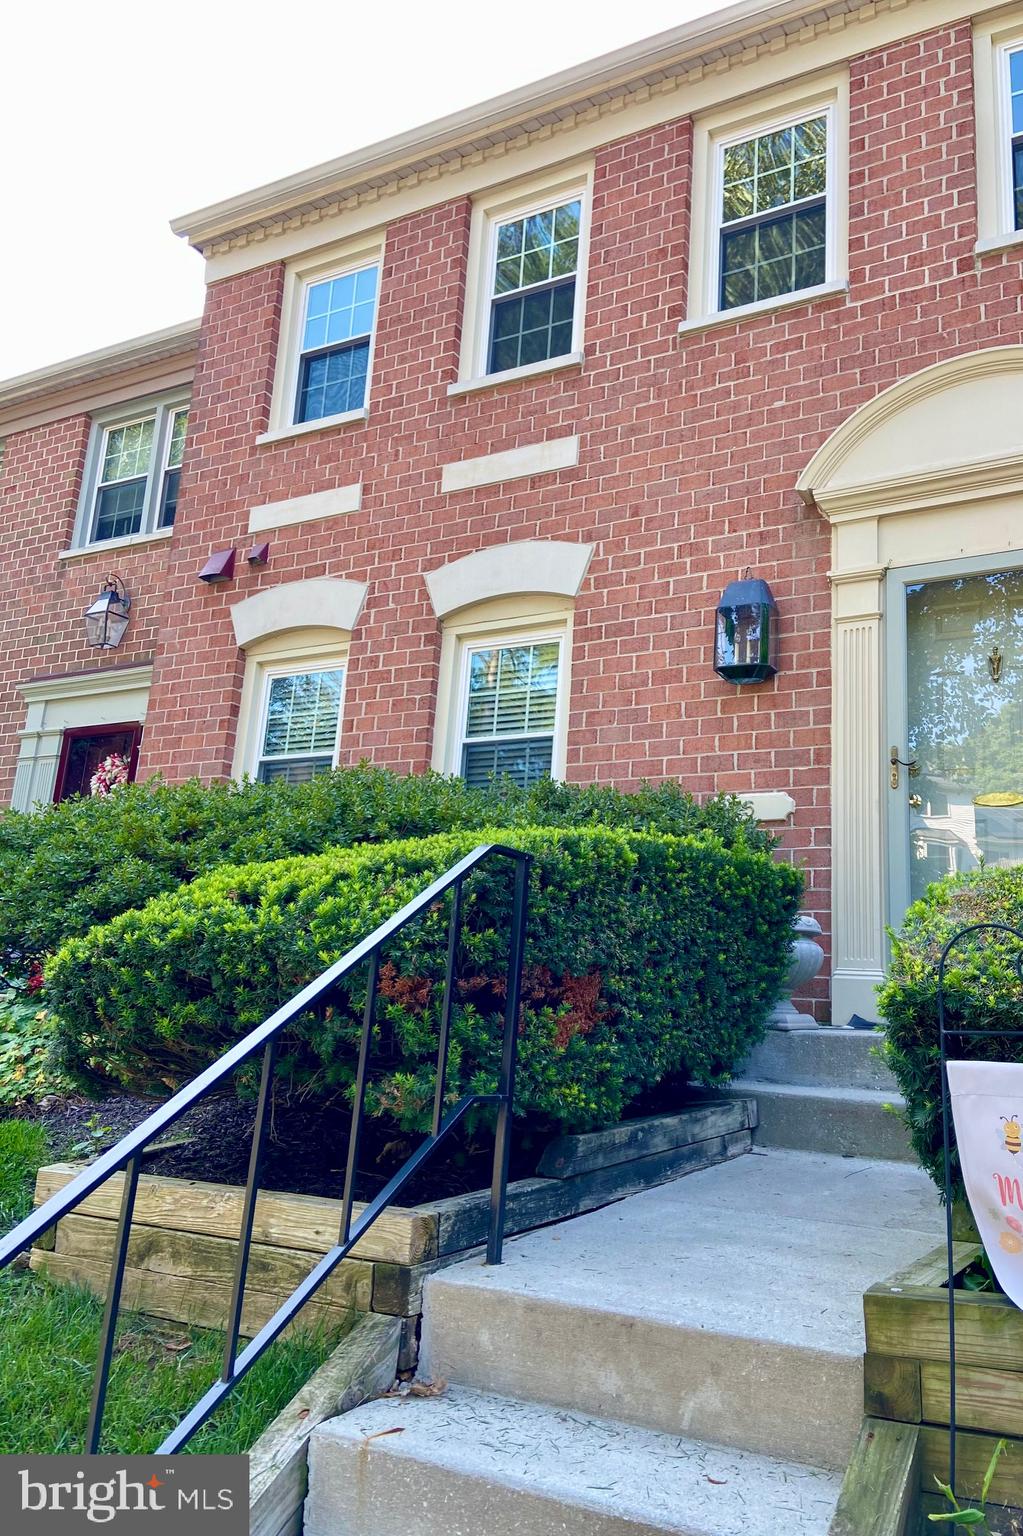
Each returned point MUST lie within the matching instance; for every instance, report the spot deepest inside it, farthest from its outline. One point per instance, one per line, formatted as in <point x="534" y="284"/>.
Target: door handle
<point x="898" y="762"/>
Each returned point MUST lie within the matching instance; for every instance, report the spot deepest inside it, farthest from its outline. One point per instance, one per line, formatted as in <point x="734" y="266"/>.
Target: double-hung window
<point x="773" y="213"/>
<point x="131" y="486"/>
<point x="508" y="718"/>
<point x="533" y="277"/>
<point x="335" y="342"/>
<point x="1014" y="65"/>
<point x="298" y="730"/>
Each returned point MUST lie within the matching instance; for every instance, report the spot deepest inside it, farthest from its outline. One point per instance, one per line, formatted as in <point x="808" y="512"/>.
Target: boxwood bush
<point x="982" y="991"/>
<point x="68" y="866"/>
<point x="647" y="955"/>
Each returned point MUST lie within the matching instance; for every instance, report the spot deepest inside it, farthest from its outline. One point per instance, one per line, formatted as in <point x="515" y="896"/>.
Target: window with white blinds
<point x="510" y="711"/>
<point x="298" y="738"/>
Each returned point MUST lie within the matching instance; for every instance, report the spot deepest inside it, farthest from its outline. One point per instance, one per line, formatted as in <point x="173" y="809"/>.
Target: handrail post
<point x="509" y="1057"/>
<point x="234" y="1318"/>
<point x="444" y="1033"/>
<point x="118" y="1260"/>
<point x="359" y="1099"/>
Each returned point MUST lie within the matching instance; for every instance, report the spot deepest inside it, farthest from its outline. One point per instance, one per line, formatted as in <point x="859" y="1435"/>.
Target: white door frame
<point x="933" y="464"/>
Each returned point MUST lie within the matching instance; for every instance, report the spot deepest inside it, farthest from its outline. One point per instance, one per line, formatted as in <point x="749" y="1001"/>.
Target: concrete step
<point x="847" y="1122"/>
<point x="466" y="1462"/>
<point x="726" y="1306"/>
<point x="823" y="1057"/>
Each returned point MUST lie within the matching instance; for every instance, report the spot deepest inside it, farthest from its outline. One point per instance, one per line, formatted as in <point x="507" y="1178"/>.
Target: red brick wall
<point x="43" y="598"/>
<point x="690" y="451"/>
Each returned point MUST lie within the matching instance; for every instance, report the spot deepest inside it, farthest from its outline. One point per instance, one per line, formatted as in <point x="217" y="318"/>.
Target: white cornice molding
<point x="156" y="346"/>
<point x="945" y="485"/>
<point x="86" y="684"/>
<point x="600" y="87"/>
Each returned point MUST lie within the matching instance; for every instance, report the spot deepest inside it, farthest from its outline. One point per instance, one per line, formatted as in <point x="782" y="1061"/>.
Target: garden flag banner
<point x="987" y="1107"/>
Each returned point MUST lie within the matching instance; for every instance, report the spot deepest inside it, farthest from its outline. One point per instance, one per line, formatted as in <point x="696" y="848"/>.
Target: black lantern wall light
<point x="107" y="619"/>
<point x="746" y="634"/>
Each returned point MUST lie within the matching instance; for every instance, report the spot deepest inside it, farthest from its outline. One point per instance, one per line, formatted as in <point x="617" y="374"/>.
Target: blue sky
<point x="118" y="115"/>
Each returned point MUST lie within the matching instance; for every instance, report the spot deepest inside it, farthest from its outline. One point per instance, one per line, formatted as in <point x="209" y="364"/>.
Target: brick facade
<point x="690" y="450"/>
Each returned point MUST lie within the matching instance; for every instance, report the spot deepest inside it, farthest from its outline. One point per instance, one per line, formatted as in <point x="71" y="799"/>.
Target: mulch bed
<point x="305" y="1150"/>
<point x="306" y="1146"/>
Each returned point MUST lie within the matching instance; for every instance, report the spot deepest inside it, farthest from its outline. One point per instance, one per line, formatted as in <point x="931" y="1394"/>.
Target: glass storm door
<point x="956" y="798"/>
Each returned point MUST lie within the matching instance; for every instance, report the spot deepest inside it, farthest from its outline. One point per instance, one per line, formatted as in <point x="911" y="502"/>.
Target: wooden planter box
<point x="183" y="1241"/>
<point x="906" y="1377"/>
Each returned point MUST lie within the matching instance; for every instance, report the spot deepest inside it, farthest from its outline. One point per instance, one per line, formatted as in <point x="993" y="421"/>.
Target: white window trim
<point x="283" y="656"/>
<point x="500" y="622"/>
<point x="516" y="202"/>
<point x="299" y="277"/>
<point x="163" y="408"/>
<point x="712" y="134"/>
<point x="992" y="44"/>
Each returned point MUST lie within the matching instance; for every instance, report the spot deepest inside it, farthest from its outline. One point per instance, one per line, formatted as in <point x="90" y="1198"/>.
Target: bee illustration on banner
<point x="1012" y="1136"/>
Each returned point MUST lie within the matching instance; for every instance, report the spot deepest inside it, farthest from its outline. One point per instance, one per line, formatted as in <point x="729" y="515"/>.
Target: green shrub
<point x="647" y="955"/>
<point x="69" y="866"/>
<point x="982" y="991"/>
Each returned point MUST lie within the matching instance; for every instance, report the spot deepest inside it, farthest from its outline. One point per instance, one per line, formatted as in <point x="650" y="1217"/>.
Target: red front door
<point x="84" y="748"/>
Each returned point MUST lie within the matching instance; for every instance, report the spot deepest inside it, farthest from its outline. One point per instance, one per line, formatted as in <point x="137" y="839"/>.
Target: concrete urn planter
<point x="807" y="957"/>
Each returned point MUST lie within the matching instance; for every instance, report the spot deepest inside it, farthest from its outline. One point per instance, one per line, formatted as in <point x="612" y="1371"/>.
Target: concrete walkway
<point x="721" y="1310"/>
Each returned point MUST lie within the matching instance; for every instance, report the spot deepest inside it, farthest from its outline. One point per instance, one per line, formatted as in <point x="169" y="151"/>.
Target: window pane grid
<point x="128" y="497"/>
<point x="534" y="287"/>
<point x="127" y="451"/>
<point x="510" y="711"/>
<point x="774" y="214"/>
<point x="119" y="509"/>
<point x="333" y="382"/>
<point x="537" y="248"/>
<point x="176" y="444"/>
<point x="334" y="354"/>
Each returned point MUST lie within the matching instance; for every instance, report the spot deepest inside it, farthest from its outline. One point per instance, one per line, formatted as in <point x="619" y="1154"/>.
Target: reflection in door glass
<point x="965" y="697"/>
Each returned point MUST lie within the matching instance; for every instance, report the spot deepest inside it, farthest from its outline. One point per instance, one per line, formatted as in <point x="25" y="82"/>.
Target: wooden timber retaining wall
<point x="906" y="1381"/>
<point x="183" y="1240"/>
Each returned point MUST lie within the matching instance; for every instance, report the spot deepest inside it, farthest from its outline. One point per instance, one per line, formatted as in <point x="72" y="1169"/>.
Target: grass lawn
<point x="48" y="1342"/>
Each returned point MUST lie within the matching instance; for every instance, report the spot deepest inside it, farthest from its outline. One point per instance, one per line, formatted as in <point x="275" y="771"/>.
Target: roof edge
<point x="171" y="341"/>
<point x="617" y="68"/>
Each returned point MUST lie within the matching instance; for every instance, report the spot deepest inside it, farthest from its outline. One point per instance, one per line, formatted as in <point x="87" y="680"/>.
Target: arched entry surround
<point x="931" y="470"/>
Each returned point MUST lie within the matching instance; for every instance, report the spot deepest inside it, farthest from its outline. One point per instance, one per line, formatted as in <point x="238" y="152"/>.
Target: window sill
<point x="1012" y="240"/>
<point x="510" y="375"/>
<point x="764" y="307"/>
<point x="323" y="424"/>
<point x="130" y="541"/>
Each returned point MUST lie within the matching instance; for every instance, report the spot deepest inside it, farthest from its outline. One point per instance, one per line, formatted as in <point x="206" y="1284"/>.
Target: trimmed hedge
<point x="647" y="955"/>
<point x="69" y="866"/>
<point x="982" y="991"/>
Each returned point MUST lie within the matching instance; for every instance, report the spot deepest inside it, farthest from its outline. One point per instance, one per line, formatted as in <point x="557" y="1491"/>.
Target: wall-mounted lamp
<point x="107" y="619"/>
<point x="219" y="567"/>
<point x="746" y="634"/>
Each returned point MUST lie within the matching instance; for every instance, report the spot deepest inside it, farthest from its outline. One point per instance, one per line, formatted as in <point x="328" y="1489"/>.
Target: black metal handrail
<point x="127" y="1154"/>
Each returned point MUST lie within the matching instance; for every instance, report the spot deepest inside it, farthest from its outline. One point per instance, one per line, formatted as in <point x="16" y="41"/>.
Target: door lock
<point x="898" y="762"/>
<point x="915" y="802"/>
